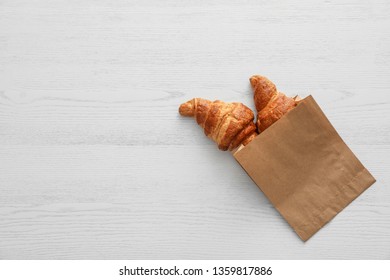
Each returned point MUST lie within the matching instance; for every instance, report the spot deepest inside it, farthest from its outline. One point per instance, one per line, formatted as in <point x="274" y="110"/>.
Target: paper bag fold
<point x="305" y="168"/>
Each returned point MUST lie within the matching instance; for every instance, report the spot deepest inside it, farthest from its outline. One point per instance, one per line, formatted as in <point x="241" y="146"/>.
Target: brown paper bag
<point x="304" y="168"/>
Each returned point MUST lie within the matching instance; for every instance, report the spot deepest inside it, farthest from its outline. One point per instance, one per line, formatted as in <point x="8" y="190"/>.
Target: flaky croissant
<point x="270" y="104"/>
<point x="228" y="124"/>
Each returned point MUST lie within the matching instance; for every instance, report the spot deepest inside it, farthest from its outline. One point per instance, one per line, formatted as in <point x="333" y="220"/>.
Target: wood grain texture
<point x="95" y="161"/>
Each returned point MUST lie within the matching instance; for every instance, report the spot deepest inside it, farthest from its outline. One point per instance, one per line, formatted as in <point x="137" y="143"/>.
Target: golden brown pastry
<point x="228" y="124"/>
<point x="270" y="104"/>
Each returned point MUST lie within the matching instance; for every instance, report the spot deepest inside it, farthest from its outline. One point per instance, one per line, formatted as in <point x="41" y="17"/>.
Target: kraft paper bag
<point x="304" y="168"/>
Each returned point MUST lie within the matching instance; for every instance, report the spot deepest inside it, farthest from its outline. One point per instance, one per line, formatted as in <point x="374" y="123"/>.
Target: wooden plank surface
<point x="95" y="161"/>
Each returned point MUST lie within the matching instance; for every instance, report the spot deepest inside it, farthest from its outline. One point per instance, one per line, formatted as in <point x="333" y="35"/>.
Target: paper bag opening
<point x="304" y="168"/>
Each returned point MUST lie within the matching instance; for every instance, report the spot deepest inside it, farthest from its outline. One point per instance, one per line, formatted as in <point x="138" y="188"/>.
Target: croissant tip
<point x="255" y="79"/>
<point x="187" y="109"/>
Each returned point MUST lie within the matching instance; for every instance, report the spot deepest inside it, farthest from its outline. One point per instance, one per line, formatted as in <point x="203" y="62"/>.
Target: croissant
<point x="270" y="104"/>
<point x="227" y="124"/>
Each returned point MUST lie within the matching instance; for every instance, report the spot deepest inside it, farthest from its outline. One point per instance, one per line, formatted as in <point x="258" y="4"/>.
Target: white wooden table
<point x="95" y="161"/>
